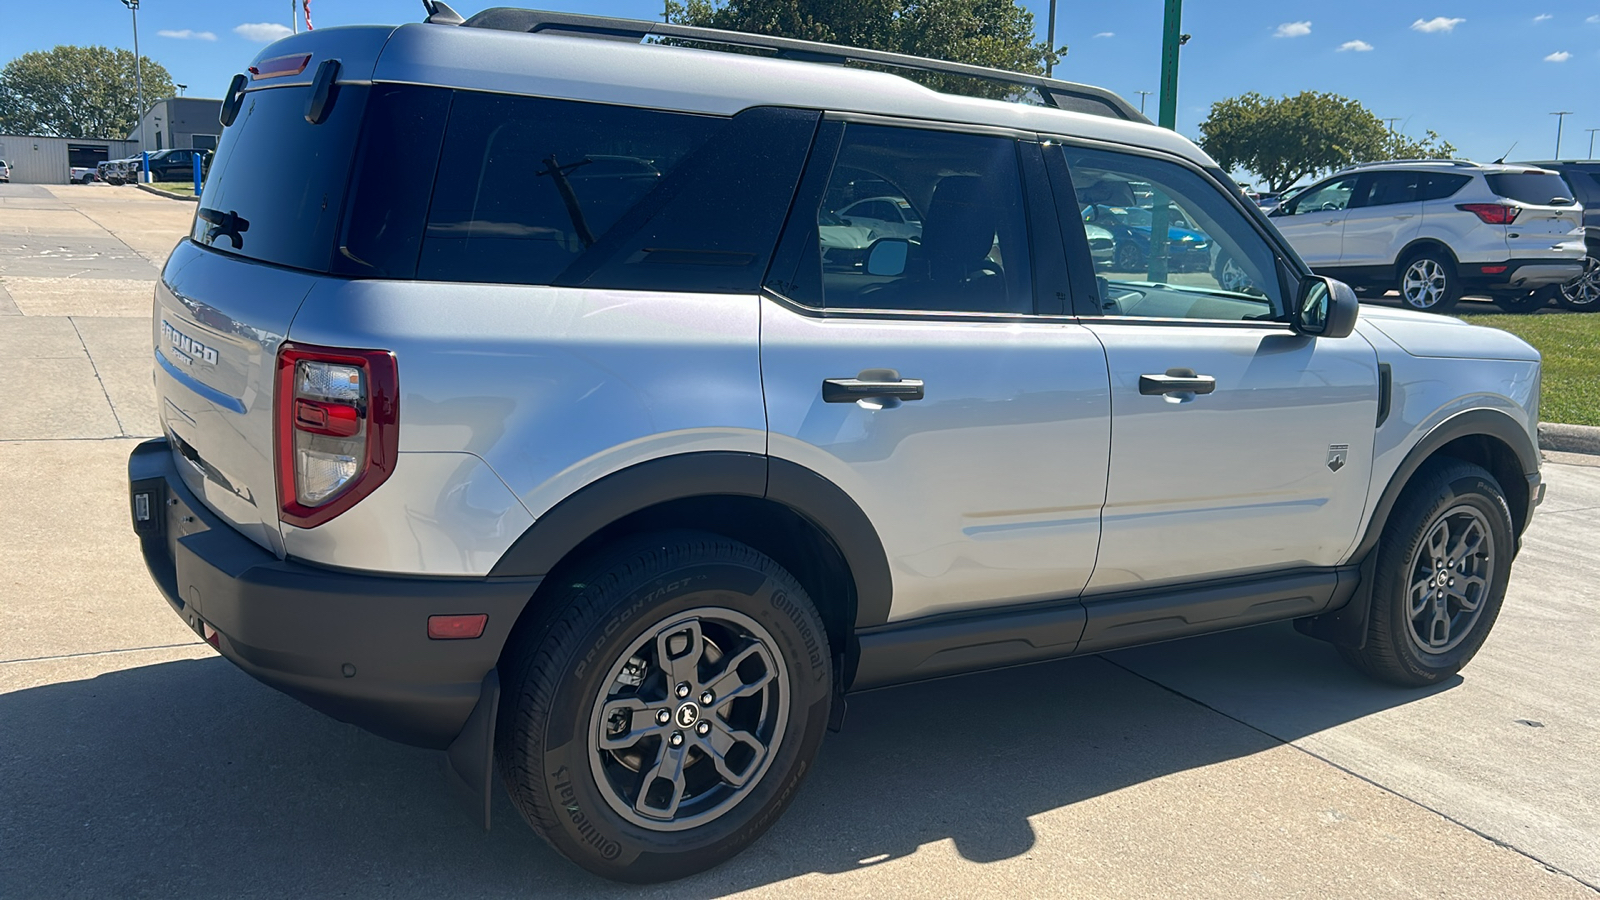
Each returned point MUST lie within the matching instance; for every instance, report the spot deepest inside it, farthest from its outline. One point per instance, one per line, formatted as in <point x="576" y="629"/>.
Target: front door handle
<point x="1176" y="381"/>
<point x="871" y="384"/>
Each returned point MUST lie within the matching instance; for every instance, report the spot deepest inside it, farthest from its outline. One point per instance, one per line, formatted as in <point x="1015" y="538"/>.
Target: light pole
<point x="1391" y="120"/>
<point x="1591" y="140"/>
<point x="138" y="85"/>
<point x="1560" y="118"/>
<point x="1142" y="95"/>
<point x="181" y="88"/>
<point x="1050" y="60"/>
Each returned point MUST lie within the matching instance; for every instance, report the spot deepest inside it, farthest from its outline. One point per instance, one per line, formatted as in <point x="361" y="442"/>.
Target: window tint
<point x="394" y="176"/>
<point x="526" y="185"/>
<point x="278" y="182"/>
<point x="1439" y="185"/>
<point x="1330" y="197"/>
<point x="1387" y="188"/>
<point x="1538" y="188"/>
<point x="962" y="245"/>
<point x="1214" y="265"/>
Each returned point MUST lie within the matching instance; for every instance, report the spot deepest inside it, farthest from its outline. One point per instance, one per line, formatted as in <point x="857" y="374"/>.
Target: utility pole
<point x="1560" y="118"/>
<point x="1172" y="38"/>
<point x="1142" y="95"/>
<point x="1591" y="140"/>
<point x="138" y="86"/>
<point x="294" y="16"/>
<point x="1050" y="61"/>
<point x="1391" y="120"/>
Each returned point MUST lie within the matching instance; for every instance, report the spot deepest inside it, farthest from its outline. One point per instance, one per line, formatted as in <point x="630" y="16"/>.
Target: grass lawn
<point x="1570" y="344"/>
<point x="185" y="188"/>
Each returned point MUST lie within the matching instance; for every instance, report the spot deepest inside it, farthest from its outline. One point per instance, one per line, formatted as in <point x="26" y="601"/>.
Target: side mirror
<point x="1326" y="308"/>
<point x="887" y="256"/>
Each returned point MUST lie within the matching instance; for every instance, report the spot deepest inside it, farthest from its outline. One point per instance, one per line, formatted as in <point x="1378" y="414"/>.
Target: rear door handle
<point x="1176" y="381"/>
<point x="871" y="384"/>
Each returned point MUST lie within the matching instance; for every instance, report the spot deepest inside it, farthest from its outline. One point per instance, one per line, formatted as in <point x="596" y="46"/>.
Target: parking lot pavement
<point x="135" y="762"/>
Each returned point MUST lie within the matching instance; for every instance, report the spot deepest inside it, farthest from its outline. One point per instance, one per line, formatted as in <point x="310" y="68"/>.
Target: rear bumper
<point x="350" y="645"/>
<point x="1520" y="274"/>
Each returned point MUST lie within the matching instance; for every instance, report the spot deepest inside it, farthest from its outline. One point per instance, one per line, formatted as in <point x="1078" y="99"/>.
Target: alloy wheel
<point x="1583" y="292"/>
<point x="1451" y="573"/>
<point x="689" y="719"/>
<point x="1233" y="278"/>
<point x="1424" y="283"/>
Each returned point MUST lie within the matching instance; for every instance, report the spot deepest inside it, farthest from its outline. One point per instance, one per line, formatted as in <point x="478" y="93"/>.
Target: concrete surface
<point x="134" y="762"/>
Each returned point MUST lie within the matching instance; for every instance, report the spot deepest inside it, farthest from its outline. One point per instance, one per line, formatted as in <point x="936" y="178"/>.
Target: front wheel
<point x="665" y="710"/>
<point x="1440" y="577"/>
<point x="1582" y="294"/>
<point x="1428" y="282"/>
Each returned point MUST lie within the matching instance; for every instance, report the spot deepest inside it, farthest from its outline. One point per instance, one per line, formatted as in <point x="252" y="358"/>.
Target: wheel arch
<point x="800" y="519"/>
<point x="1417" y="245"/>
<point x="1488" y="438"/>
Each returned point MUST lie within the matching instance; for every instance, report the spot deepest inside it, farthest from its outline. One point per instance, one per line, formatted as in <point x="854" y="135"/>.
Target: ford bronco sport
<point x="522" y="399"/>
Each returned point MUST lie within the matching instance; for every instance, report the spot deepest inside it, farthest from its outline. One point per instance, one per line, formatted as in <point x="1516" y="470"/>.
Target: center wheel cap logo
<point x="688" y="714"/>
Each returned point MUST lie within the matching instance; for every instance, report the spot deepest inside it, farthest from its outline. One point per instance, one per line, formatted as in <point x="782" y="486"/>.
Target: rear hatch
<point x="1550" y="223"/>
<point x="262" y="236"/>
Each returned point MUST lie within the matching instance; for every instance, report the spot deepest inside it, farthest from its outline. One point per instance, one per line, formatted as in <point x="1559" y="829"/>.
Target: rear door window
<point x="1387" y="189"/>
<point x="1535" y="188"/>
<point x="1439" y="185"/>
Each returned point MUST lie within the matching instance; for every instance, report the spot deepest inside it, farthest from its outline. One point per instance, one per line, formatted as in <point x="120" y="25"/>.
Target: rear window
<point x="277" y="183"/>
<point x="1537" y="188"/>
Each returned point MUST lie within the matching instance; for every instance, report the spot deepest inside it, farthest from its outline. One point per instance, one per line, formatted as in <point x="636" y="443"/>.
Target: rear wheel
<point x="1129" y="258"/>
<point x="1440" y="577"/>
<point x="1428" y="282"/>
<point x="664" y="713"/>
<point x="1582" y="294"/>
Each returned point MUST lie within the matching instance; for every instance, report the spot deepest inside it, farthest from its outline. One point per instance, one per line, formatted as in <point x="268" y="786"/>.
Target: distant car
<point x="120" y="171"/>
<point x="5" y="172"/>
<point x="1583" y="176"/>
<point x="1268" y="200"/>
<point x="885" y="217"/>
<point x="82" y="174"/>
<point x="1188" y="250"/>
<point x="176" y="164"/>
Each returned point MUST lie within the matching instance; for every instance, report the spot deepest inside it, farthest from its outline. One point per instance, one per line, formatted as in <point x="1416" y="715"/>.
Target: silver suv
<point x="596" y="458"/>
<point x="1435" y="229"/>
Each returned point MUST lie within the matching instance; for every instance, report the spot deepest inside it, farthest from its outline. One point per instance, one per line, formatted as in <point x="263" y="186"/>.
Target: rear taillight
<point x="337" y="418"/>
<point x="1491" y="213"/>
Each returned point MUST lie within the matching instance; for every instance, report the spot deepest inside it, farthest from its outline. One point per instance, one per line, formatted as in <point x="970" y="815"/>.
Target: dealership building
<point x="188" y="122"/>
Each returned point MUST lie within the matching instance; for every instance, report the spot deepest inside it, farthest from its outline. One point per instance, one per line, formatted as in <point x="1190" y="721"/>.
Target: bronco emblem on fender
<point x="1336" y="455"/>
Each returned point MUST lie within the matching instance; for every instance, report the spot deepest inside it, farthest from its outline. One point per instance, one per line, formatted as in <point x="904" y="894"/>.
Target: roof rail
<point x="1059" y="94"/>
<point x="1457" y="163"/>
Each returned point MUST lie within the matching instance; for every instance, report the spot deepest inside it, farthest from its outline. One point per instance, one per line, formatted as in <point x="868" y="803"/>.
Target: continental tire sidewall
<point x="588" y="830"/>
<point x="1482" y="493"/>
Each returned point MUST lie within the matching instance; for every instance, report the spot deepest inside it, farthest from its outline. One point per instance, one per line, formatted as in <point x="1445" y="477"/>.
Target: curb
<point x="1569" y="438"/>
<point x="168" y="194"/>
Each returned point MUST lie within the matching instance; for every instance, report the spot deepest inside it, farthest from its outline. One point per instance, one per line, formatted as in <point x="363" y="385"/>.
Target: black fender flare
<point x="585" y="512"/>
<point x="1347" y="625"/>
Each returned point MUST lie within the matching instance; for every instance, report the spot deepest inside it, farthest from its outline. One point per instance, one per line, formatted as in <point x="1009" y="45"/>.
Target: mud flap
<point x="469" y="761"/>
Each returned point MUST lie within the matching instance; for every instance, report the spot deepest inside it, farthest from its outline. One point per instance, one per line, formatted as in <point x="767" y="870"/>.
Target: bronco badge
<point x="1336" y="455"/>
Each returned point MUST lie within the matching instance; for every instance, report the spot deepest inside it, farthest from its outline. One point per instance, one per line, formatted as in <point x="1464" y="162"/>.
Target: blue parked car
<point x="1189" y="249"/>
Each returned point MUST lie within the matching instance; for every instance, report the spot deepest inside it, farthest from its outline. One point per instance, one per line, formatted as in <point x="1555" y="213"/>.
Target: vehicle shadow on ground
<point x="188" y="779"/>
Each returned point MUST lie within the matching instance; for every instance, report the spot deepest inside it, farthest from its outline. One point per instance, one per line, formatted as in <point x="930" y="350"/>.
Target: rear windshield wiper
<point x="224" y="224"/>
<point x="558" y="174"/>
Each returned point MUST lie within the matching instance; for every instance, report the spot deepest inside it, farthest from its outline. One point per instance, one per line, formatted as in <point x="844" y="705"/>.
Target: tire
<point x="1428" y="282"/>
<point x="1129" y="258"/>
<point x="1524" y="302"/>
<point x="1447" y="500"/>
<point x="1231" y="277"/>
<point x="1582" y="294"/>
<point x="593" y="665"/>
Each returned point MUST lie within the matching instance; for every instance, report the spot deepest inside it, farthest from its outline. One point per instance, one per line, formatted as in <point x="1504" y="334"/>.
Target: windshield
<point x="1537" y="188"/>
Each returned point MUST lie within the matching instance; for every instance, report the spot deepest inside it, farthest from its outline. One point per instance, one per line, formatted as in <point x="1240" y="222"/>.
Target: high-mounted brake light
<point x="1491" y="213"/>
<point x="336" y="413"/>
<point x="280" y="66"/>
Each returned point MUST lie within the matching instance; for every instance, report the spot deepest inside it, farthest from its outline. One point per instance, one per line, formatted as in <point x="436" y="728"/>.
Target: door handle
<point x="871" y="384"/>
<point x="1331" y="222"/>
<point x="1176" y="381"/>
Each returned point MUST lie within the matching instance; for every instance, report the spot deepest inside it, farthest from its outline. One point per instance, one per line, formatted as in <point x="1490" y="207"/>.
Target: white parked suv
<point x="1435" y="229"/>
<point x="614" y="479"/>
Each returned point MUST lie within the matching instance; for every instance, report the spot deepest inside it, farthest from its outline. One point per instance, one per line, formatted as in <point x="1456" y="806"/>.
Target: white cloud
<point x="1357" y="46"/>
<point x="1593" y="20"/>
<point x="265" y="32"/>
<point x="1558" y="56"/>
<point x="187" y="35"/>
<point x="1106" y="34"/>
<point x="1293" y="29"/>
<point x="1435" y="24"/>
<point x="1542" y="17"/>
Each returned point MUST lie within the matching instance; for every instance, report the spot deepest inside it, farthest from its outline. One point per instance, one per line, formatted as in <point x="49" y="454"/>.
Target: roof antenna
<point x="1506" y="154"/>
<point x="440" y="13"/>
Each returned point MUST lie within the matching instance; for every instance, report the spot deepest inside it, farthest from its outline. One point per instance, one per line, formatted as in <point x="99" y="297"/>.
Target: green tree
<point x="994" y="33"/>
<point x="1283" y="140"/>
<point x="77" y="92"/>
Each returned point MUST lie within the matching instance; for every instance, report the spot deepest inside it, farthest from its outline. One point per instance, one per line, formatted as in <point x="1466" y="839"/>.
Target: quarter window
<point x="1213" y="263"/>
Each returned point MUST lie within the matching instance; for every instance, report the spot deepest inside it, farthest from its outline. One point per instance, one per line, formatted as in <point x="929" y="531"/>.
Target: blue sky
<point x="1482" y="73"/>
